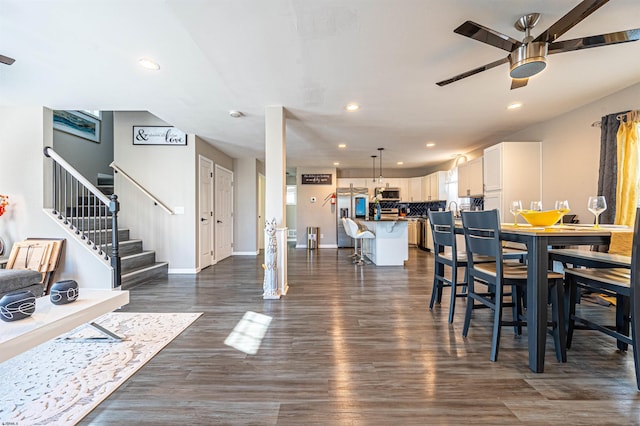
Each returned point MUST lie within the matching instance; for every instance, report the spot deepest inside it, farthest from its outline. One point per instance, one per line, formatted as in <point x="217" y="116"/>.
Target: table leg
<point x="537" y="295"/>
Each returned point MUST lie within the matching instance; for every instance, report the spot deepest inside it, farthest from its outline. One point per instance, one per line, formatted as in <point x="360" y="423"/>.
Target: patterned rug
<point x="60" y="382"/>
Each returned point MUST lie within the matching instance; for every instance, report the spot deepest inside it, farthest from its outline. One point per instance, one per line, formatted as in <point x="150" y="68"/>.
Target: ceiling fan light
<point x="528" y="60"/>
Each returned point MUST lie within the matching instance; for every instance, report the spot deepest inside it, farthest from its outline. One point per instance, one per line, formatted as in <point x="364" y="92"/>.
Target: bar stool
<point x="356" y="233"/>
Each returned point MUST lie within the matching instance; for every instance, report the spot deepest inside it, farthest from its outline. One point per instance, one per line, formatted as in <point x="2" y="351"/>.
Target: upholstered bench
<point x="20" y="279"/>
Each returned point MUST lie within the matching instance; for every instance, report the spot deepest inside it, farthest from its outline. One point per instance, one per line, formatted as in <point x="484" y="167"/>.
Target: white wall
<point x="246" y="206"/>
<point x="88" y="157"/>
<point x="571" y="150"/>
<point x="24" y="132"/>
<point x="316" y="214"/>
<point x="168" y="172"/>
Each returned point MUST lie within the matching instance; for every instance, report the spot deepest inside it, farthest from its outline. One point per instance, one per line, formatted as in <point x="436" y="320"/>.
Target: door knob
<point x="218" y="221"/>
<point x="202" y="219"/>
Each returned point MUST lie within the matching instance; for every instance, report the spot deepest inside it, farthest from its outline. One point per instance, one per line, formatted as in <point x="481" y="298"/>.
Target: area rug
<point x="61" y="381"/>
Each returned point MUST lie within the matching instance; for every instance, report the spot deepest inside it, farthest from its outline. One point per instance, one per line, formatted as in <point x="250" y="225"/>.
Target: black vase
<point x="63" y="292"/>
<point x="17" y="305"/>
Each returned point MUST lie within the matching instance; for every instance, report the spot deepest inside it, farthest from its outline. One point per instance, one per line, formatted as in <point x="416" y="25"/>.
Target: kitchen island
<point x="390" y="247"/>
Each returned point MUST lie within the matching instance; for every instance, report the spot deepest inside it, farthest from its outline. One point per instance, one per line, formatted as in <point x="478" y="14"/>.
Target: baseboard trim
<point x="183" y="271"/>
<point x="322" y="246"/>
<point x="245" y="253"/>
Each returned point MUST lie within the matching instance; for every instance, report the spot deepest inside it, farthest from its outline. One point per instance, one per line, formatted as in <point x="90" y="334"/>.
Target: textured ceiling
<point x="312" y="57"/>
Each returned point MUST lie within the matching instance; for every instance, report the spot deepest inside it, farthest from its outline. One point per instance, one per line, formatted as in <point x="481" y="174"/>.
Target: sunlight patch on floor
<point x="248" y="333"/>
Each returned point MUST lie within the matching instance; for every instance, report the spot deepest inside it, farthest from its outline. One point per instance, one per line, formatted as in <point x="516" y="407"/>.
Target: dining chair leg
<point x="454" y="286"/>
<point x="516" y="309"/>
<point x="558" y="320"/>
<point x="434" y="291"/>
<point x="469" y="309"/>
<point x="572" y="292"/>
<point x="497" y="321"/>
<point x="622" y="319"/>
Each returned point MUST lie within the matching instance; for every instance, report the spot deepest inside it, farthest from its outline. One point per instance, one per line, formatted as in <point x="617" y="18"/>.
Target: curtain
<point x="627" y="156"/>
<point x="607" y="177"/>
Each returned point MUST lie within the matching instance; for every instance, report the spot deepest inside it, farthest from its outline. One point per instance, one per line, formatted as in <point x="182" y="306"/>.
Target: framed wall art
<point x="158" y="135"/>
<point x="78" y="124"/>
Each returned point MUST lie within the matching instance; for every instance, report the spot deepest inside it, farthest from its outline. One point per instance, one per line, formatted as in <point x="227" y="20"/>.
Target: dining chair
<point x="617" y="282"/>
<point x="445" y="253"/>
<point x="444" y="246"/>
<point x="482" y="238"/>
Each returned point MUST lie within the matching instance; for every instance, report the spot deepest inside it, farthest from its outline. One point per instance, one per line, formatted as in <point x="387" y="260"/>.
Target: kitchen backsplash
<point x="419" y="209"/>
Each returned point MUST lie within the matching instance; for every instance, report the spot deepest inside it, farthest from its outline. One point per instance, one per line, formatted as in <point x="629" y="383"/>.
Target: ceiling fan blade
<point x="473" y="71"/>
<point x="487" y="35"/>
<point x="595" y="41"/>
<point x="6" y="60"/>
<point x="568" y="21"/>
<point x="517" y="83"/>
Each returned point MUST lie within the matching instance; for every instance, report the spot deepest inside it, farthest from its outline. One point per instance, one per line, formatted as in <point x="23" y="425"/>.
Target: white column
<point x="276" y="184"/>
<point x="283" y="285"/>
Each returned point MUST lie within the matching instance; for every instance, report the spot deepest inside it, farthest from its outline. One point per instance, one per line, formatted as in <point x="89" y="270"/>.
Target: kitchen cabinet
<point x="413" y="232"/>
<point x="470" y="178"/>
<point x="433" y="186"/>
<point x="357" y="182"/>
<point x="414" y="189"/>
<point x="512" y="171"/>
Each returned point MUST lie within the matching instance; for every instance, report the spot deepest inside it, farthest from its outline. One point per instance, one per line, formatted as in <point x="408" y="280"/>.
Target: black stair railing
<point x="82" y="207"/>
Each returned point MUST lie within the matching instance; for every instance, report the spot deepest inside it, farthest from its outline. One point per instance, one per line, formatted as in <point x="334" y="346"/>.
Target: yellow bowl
<point x="545" y="218"/>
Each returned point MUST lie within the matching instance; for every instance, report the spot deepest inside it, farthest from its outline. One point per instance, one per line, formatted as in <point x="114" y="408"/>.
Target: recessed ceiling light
<point x="430" y="145"/>
<point x="400" y="163"/>
<point x="342" y="145"/>
<point x="148" y="64"/>
<point x="352" y="107"/>
<point x="336" y="163"/>
<point x="515" y="105"/>
<point x="236" y="114"/>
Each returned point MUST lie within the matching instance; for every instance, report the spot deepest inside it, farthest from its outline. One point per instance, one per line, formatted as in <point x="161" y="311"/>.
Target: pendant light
<point x="373" y="160"/>
<point x="380" y="177"/>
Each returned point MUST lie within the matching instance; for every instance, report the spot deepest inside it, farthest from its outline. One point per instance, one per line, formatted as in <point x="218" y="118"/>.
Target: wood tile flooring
<point x="354" y="345"/>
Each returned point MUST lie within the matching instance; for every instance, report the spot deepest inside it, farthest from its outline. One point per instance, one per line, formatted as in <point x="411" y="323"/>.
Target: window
<point x="292" y="195"/>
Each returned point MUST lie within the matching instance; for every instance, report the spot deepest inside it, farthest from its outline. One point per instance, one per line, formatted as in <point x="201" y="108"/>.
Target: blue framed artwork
<point x="78" y="124"/>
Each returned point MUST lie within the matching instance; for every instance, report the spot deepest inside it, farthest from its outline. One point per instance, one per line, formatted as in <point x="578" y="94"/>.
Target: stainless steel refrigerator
<point x="353" y="203"/>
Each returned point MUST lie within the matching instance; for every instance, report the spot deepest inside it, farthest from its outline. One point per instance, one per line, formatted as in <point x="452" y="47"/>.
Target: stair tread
<point x="142" y="253"/>
<point x="149" y="267"/>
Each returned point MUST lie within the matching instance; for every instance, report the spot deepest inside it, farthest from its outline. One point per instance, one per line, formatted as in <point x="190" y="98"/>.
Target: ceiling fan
<point x="6" y="60"/>
<point x="529" y="57"/>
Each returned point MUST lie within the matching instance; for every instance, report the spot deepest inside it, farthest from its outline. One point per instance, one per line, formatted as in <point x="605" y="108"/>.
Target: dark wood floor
<point x="355" y="345"/>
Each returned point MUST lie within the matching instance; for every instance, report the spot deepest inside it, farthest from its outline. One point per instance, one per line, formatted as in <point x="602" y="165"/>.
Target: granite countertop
<point x="384" y="219"/>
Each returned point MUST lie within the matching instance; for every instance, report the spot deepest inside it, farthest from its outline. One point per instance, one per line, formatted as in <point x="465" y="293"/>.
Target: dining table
<point x="537" y="241"/>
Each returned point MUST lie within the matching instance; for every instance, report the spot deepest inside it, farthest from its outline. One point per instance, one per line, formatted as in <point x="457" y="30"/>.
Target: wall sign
<point x="158" y="135"/>
<point x="316" y="179"/>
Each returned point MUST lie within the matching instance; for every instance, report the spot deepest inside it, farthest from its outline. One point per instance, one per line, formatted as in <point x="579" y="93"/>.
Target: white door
<point x="262" y="189"/>
<point x="223" y="213"/>
<point x="205" y="212"/>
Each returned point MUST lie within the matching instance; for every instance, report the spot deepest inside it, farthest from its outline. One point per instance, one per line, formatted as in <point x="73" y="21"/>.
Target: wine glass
<point x="515" y="208"/>
<point x="563" y="207"/>
<point x="596" y="205"/>
<point x="536" y="206"/>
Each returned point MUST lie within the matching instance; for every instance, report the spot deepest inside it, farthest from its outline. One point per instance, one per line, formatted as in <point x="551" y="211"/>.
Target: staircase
<point x="92" y="213"/>
<point x="138" y="265"/>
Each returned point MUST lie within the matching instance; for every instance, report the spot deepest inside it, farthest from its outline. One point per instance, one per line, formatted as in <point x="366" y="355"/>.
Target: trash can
<point x="312" y="237"/>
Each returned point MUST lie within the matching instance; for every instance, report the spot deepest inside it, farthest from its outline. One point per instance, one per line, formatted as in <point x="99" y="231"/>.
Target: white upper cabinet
<point x="470" y="179"/>
<point x="433" y="187"/>
<point x="346" y="182"/>
<point x="512" y="171"/>
<point x="493" y="168"/>
<point x="415" y="189"/>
